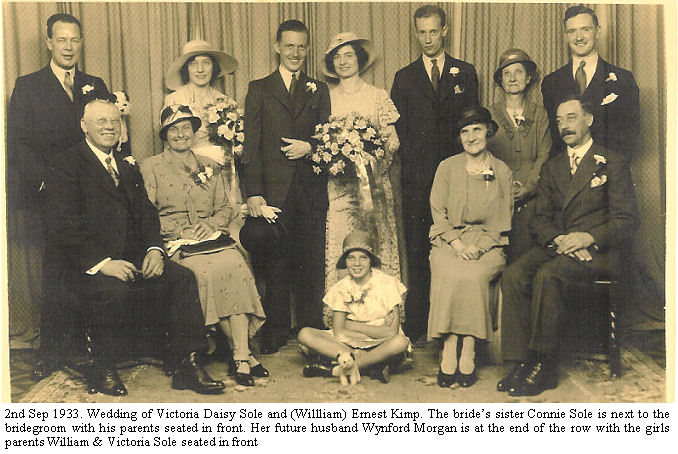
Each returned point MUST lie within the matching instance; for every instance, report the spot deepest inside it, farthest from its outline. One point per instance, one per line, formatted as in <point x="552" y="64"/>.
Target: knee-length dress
<point x="225" y="282"/>
<point x="523" y="145"/>
<point x="477" y="211"/>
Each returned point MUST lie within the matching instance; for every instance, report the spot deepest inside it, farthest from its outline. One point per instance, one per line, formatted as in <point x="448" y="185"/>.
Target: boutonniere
<point x="86" y="89"/>
<point x="488" y="174"/>
<point x="598" y="181"/>
<point x="202" y="175"/>
<point x="612" y="77"/>
<point x="130" y="160"/>
<point x="458" y="90"/>
<point x="601" y="163"/>
<point x="311" y="87"/>
<point x="609" y="99"/>
<point x="519" y="119"/>
<point x="599" y="159"/>
<point x="454" y="71"/>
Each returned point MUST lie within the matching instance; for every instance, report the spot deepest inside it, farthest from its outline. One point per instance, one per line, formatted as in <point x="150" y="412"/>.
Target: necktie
<point x="574" y="163"/>
<point x="68" y="84"/>
<point x="435" y="74"/>
<point x="293" y="84"/>
<point x="112" y="172"/>
<point x="580" y="77"/>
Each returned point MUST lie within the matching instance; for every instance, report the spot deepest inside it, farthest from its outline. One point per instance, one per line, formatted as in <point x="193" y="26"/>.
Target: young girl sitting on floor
<point x="366" y="308"/>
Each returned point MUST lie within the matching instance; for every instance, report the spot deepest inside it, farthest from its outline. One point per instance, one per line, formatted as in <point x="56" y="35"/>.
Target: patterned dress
<point x="225" y="282"/>
<point x="346" y="214"/>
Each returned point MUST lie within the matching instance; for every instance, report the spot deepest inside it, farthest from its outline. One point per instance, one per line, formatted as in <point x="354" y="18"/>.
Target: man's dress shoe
<point x="259" y="371"/>
<point x="105" y="380"/>
<point x="43" y="369"/>
<point x="515" y="376"/>
<point x="538" y="378"/>
<point x="446" y="380"/>
<point x="317" y="370"/>
<point x="191" y="375"/>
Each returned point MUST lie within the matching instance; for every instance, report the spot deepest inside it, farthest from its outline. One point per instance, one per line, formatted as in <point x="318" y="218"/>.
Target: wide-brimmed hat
<point x="227" y="63"/>
<point x="472" y="115"/>
<point x="511" y="56"/>
<point x="174" y="114"/>
<point x="345" y="38"/>
<point x="258" y="236"/>
<point x="357" y="241"/>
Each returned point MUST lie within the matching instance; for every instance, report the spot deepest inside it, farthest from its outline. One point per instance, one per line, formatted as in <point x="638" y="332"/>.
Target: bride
<point x="346" y="57"/>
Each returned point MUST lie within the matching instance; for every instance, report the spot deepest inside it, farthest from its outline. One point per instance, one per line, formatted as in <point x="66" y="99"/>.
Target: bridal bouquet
<point x="351" y="140"/>
<point x="226" y="125"/>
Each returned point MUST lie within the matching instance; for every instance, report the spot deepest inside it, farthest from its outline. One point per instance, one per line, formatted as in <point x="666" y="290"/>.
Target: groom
<point x="282" y="111"/>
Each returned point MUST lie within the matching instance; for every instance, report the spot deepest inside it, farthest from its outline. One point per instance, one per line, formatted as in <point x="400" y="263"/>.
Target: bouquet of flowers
<point x="353" y="140"/>
<point x="226" y="125"/>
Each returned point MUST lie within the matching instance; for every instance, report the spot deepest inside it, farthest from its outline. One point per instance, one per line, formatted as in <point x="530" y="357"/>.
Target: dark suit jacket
<point x="608" y="212"/>
<point x="616" y="125"/>
<point x="270" y="115"/>
<point x="90" y="219"/>
<point x="42" y="121"/>
<point x="427" y="124"/>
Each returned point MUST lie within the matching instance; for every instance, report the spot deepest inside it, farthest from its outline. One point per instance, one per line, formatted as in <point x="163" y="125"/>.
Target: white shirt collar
<point x="60" y="72"/>
<point x="101" y="156"/>
<point x="590" y="67"/>
<point x="287" y="75"/>
<point x="581" y="150"/>
<point x="440" y="63"/>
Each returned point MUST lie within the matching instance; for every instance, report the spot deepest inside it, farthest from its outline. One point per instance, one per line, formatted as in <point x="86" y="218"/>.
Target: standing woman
<point x="471" y="205"/>
<point x="346" y="57"/>
<point x="186" y="189"/>
<point x="191" y="77"/>
<point x="523" y="141"/>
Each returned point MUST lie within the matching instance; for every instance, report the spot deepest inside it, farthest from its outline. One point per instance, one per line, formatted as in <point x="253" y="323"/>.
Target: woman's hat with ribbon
<point x="473" y="115"/>
<point x="511" y="56"/>
<point x="357" y="241"/>
<point x="174" y="114"/>
<point x="226" y="62"/>
<point x="345" y="38"/>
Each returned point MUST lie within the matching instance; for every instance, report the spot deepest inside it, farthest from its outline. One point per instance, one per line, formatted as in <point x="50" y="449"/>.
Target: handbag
<point x="223" y="241"/>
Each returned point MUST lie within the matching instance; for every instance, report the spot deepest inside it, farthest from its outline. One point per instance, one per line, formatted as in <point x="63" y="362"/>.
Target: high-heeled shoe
<point x="241" y="378"/>
<point x="446" y="380"/>
<point x="467" y="380"/>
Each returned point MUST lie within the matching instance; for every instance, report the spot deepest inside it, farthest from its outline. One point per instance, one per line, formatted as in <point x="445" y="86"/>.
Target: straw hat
<point x="357" y="241"/>
<point x="511" y="56"/>
<point x="171" y="115"/>
<point x="345" y="38"/>
<point x="227" y="63"/>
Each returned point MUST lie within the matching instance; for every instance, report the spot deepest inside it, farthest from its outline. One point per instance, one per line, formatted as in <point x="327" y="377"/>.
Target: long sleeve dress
<point x="345" y="213"/>
<point x="225" y="282"/>
<point x="477" y="211"/>
<point x="524" y="147"/>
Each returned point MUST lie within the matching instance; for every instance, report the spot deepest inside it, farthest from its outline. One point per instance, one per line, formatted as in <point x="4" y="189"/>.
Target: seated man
<point x="585" y="221"/>
<point x="106" y="234"/>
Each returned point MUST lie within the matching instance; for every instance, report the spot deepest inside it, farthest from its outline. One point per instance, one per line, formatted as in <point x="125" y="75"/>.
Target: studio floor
<point x="581" y="380"/>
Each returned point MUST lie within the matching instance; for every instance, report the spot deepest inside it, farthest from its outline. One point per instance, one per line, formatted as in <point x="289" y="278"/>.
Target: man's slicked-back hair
<point x="585" y="105"/>
<point x="576" y="10"/>
<point x="61" y="17"/>
<point x="291" y="25"/>
<point x="429" y="11"/>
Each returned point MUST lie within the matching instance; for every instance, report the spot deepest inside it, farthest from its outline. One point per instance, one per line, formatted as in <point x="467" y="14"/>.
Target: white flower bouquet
<point x="226" y="125"/>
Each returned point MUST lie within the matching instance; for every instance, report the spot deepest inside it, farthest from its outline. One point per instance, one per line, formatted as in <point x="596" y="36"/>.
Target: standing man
<point x="584" y="225"/>
<point x="282" y="111"/>
<point x="610" y="90"/>
<point x="43" y="121"/>
<point x="429" y="94"/>
<point x="106" y="233"/>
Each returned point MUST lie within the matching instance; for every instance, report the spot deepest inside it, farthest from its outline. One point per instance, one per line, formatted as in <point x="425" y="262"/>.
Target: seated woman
<point x="366" y="308"/>
<point x="188" y="191"/>
<point x="472" y="205"/>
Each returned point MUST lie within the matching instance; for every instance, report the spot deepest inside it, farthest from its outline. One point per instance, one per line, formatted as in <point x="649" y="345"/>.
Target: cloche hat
<point x="357" y="241"/>
<point x="511" y="56"/>
<point x="174" y="114"/>
<point x="472" y="115"/>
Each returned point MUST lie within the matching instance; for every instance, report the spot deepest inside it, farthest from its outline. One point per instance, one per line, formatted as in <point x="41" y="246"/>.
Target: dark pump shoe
<point x="515" y="376"/>
<point x="242" y="378"/>
<point x="259" y="371"/>
<point x="467" y="380"/>
<point x="191" y="375"/>
<point x="105" y="380"/>
<point x="317" y="370"/>
<point x="538" y="379"/>
<point x="446" y="380"/>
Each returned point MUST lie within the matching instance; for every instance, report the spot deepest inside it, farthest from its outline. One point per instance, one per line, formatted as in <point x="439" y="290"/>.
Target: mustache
<point x="566" y="132"/>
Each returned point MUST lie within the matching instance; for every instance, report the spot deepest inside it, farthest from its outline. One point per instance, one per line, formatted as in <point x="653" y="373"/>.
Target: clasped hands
<point x="466" y="251"/>
<point x="575" y="245"/>
<point x="152" y="266"/>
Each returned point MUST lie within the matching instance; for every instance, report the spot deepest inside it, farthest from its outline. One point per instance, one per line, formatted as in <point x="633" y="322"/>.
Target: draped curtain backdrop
<point x="130" y="45"/>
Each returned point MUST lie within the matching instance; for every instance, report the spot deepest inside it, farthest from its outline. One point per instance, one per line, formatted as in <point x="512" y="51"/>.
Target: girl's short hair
<point x="359" y="52"/>
<point x="216" y="69"/>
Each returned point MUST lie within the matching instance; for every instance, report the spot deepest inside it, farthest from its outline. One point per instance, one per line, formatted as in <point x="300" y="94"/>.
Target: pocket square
<point x="457" y="90"/>
<point x="609" y="99"/>
<point x="598" y="181"/>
